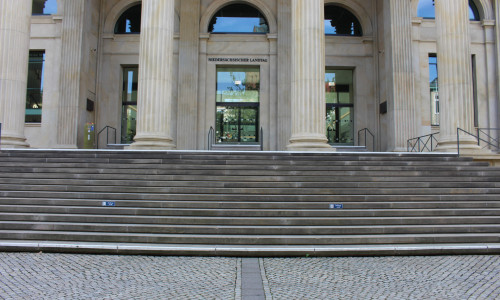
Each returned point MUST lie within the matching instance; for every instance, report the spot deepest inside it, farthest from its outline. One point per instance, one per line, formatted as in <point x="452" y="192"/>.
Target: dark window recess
<point x="340" y="21"/>
<point x="238" y="18"/>
<point x="130" y="21"/>
<point x="383" y="108"/>
<point x="90" y="105"/>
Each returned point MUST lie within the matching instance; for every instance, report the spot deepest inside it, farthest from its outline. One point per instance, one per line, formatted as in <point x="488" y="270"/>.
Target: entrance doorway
<point x="339" y="107"/>
<point x="237" y="119"/>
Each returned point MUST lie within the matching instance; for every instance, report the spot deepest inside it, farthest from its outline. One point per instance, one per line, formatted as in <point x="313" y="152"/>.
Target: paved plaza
<point x="66" y="276"/>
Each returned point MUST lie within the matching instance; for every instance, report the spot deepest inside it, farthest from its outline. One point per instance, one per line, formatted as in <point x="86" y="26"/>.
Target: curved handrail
<point x="421" y="143"/>
<point x="366" y="131"/>
<point x="107" y="128"/>
<point x="211" y="138"/>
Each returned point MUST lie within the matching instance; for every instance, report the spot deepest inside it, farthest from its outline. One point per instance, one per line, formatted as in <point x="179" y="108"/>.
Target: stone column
<point x="71" y="65"/>
<point x="189" y="51"/>
<point x="455" y="74"/>
<point x="403" y="108"/>
<point x="284" y="71"/>
<point x="154" y="101"/>
<point x="15" y="17"/>
<point x="308" y="72"/>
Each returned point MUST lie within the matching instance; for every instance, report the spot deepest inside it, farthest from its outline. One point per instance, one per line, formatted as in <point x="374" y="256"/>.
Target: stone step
<point x="109" y="185"/>
<point x="252" y="239"/>
<point x="255" y="205"/>
<point x="332" y="191"/>
<point x="313" y="213"/>
<point x="244" y="178"/>
<point x="248" y="230"/>
<point x="245" y="197"/>
<point x="250" y="221"/>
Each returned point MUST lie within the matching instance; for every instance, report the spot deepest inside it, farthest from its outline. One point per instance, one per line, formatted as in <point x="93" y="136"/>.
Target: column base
<point x="13" y="142"/>
<point x="468" y="145"/>
<point x="152" y="143"/>
<point x="306" y="143"/>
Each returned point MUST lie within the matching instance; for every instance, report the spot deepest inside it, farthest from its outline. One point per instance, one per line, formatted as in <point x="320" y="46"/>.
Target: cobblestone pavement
<point x="65" y="276"/>
<point x="447" y="277"/>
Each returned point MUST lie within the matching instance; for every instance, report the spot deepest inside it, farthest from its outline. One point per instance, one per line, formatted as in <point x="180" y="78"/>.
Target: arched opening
<point x="130" y="21"/>
<point x="427" y="10"/>
<point x="44" y="7"/>
<point x="340" y="21"/>
<point x="238" y="18"/>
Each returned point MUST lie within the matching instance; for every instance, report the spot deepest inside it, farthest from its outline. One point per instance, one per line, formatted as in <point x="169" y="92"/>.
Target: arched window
<point x="427" y="10"/>
<point x="340" y="21"/>
<point x="130" y="21"/>
<point x="44" y="7"/>
<point x="238" y="18"/>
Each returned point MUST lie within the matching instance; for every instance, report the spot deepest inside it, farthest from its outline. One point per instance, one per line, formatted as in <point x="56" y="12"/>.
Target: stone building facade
<point x="310" y="73"/>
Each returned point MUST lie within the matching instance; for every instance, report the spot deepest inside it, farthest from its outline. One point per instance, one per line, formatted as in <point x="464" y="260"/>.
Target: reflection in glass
<point x="434" y="89"/>
<point x="340" y="21"/>
<point x="237" y="119"/>
<point x="130" y="21"/>
<point x="44" y="7"/>
<point x="34" y="93"/>
<point x="238" y="18"/>
<point x="427" y="10"/>
<point x="129" y="104"/>
<point x="339" y="106"/>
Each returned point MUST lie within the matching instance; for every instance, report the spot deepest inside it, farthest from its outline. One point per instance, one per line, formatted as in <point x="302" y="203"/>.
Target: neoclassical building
<point x="290" y="74"/>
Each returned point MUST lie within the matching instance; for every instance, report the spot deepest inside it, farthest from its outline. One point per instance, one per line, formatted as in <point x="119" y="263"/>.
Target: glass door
<point x="339" y="107"/>
<point x="237" y="119"/>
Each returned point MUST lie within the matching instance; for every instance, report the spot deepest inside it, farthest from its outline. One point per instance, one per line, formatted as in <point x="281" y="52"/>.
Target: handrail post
<point x="458" y="142"/>
<point x="261" y="139"/>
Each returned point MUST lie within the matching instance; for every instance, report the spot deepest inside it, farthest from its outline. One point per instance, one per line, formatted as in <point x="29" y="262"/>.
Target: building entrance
<point x="237" y="119"/>
<point x="339" y="107"/>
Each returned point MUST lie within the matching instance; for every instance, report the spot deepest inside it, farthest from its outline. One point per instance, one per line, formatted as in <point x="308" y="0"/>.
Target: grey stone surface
<point x="64" y="276"/>
<point x="60" y="276"/>
<point x="437" y="277"/>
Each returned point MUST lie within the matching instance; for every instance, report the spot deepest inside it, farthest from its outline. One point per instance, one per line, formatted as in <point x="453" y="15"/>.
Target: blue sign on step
<point x="336" y="206"/>
<point x="107" y="203"/>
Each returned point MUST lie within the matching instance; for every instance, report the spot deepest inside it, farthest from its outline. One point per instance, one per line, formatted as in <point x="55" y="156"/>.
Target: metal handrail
<point x="478" y="138"/>
<point x="367" y="131"/>
<point x="107" y="128"/>
<point x="211" y="138"/>
<point x="421" y="143"/>
<point x="261" y="139"/>
<point x="0" y="136"/>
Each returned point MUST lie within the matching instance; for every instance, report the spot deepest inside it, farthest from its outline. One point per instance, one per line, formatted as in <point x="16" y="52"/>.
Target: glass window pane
<point x="338" y="85"/>
<point x="34" y="92"/>
<point x="238" y="18"/>
<point x="44" y="7"/>
<point x="427" y="10"/>
<point x="340" y="21"/>
<point x="238" y="84"/>
<point x="434" y="89"/>
<point x="339" y="106"/>
<point x="129" y="104"/>
<point x="130" y="21"/>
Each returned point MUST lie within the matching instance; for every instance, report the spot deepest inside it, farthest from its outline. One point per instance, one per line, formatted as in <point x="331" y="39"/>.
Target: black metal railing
<point x="366" y="132"/>
<point x="483" y="135"/>
<point x="107" y="128"/>
<point x="0" y="136"/>
<point x="425" y="143"/>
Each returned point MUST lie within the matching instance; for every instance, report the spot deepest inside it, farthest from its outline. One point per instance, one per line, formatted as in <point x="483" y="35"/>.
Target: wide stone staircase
<point x="247" y="204"/>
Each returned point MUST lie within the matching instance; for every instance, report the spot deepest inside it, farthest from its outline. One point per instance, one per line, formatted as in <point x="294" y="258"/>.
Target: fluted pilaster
<point x="308" y="72"/>
<point x="404" y="106"/>
<point x="71" y="62"/>
<point x="154" y="102"/>
<point x="455" y="74"/>
<point x="14" y="53"/>
<point x="187" y="106"/>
